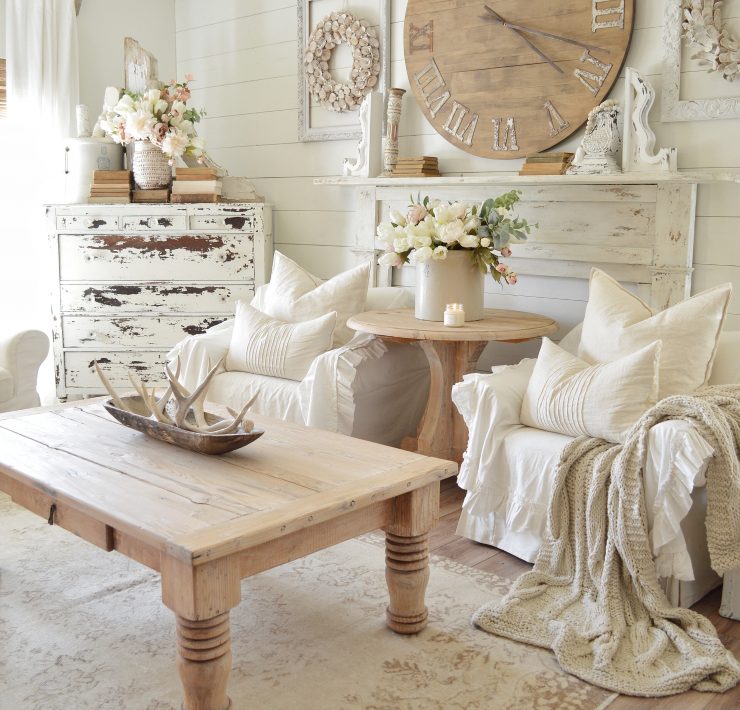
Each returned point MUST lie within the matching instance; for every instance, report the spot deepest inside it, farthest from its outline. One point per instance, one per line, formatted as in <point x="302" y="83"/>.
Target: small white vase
<point x="455" y="279"/>
<point x="152" y="169"/>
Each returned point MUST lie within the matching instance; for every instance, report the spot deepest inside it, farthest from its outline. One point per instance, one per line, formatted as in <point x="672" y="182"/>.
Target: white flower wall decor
<point x="699" y="23"/>
<point x="706" y="32"/>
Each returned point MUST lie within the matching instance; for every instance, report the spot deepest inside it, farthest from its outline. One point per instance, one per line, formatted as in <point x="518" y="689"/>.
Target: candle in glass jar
<point x="454" y="315"/>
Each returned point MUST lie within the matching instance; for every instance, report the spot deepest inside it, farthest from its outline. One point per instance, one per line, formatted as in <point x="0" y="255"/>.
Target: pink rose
<point x="416" y="214"/>
<point x="188" y="77"/>
<point x="502" y="268"/>
<point x="511" y="278"/>
<point x="506" y="252"/>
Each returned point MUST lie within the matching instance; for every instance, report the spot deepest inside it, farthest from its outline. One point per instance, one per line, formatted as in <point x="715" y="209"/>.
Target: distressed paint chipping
<point x="235" y="222"/>
<point x="135" y="281"/>
<point x="156" y="245"/>
<point x="202" y="327"/>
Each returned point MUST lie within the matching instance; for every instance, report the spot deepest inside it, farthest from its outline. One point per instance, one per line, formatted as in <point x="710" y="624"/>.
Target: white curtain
<point x="42" y="79"/>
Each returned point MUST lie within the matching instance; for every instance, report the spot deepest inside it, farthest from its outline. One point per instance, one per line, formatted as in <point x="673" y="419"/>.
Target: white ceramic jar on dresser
<point x="134" y="279"/>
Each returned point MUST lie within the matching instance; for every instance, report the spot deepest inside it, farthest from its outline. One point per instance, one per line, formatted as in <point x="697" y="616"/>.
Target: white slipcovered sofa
<point x="20" y="358"/>
<point x="508" y="472"/>
<point x="367" y="388"/>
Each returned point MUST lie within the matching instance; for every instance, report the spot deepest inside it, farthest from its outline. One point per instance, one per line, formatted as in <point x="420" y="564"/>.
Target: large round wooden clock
<point x="505" y="78"/>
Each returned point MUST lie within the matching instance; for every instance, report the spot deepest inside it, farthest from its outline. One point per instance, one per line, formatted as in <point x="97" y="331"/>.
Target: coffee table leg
<point x="407" y="558"/>
<point x="204" y="662"/>
<point x="407" y="574"/>
<point x="201" y="597"/>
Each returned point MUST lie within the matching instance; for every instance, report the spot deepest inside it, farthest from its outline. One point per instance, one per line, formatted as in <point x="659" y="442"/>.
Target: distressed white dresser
<point x="132" y="280"/>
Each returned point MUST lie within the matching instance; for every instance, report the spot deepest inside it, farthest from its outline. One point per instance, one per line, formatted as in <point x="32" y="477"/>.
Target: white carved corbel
<point x="638" y="151"/>
<point x="368" y="160"/>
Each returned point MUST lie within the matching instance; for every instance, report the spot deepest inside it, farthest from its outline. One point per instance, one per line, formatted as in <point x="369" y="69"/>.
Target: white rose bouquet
<point x="431" y="228"/>
<point x="160" y="116"/>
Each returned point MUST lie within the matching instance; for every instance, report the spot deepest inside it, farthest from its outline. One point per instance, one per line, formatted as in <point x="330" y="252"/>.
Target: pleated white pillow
<point x="569" y="396"/>
<point x="618" y="323"/>
<point x="294" y="294"/>
<point x="266" y="346"/>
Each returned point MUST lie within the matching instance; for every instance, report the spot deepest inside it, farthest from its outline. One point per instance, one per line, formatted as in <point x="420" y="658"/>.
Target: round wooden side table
<point x="452" y="353"/>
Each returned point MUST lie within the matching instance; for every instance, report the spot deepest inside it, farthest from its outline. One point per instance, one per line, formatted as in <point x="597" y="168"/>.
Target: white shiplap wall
<point x="244" y="56"/>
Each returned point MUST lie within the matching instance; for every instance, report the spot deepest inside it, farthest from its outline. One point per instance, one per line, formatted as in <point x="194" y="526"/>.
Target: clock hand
<point x="501" y="20"/>
<point x="542" y="33"/>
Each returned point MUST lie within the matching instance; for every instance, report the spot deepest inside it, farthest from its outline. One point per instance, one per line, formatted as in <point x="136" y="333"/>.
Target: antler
<point x="185" y="402"/>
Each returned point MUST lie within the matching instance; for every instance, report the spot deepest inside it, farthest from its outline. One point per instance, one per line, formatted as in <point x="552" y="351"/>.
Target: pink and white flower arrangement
<point x="430" y="229"/>
<point x="160" y="116"/>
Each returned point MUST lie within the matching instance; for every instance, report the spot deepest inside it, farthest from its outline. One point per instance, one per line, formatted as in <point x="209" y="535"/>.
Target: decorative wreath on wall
<point x="333" y="30"/>
<point x="704" y="29"/>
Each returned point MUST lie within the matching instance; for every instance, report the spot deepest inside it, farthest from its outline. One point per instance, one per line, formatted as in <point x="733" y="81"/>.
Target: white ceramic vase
<point x="452" y="280"/>
<point x="152" y="169"/>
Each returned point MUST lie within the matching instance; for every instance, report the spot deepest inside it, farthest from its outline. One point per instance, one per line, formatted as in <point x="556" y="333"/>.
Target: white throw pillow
<point x="295" y="295"/>
<point x="618" y="323"/>
<point x="266" y="346"/>
<point x="569" y="396"/>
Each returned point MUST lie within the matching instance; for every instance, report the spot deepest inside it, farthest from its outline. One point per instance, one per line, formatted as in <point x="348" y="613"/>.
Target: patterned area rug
<point x="86" y="630"/>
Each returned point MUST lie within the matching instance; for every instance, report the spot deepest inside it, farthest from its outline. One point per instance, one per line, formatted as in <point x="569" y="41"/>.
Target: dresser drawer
<point x="133" y="332"/>
<point x="153" y="298"/>
<point x="179" y="257"/>
<point x="79" y="371"/>
<point x="227" y="221"/>
<point x="148" y="223"/>
<point x="92" y="222"/>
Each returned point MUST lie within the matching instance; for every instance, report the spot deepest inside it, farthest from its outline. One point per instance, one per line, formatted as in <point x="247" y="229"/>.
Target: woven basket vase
<point x="152" y="169"/>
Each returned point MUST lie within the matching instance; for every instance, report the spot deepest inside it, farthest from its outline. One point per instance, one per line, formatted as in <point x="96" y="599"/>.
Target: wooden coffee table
<point x="205" y="523"/>
<point x="452" y="353"/>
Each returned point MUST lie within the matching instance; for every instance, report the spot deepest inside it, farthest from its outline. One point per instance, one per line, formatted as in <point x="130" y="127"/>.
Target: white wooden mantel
<point x="637" y="226"/>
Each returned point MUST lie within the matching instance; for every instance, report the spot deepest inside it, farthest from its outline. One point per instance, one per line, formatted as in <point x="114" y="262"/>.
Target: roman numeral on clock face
<point x="454" y="124"/>
<point x="421" y="39"/>
<point x="504" y="134"/>
<point x="594" y="76"/>
<point x="606" y="14"/>
<point x="557" y="123"/>
<point x="432" y="86"/>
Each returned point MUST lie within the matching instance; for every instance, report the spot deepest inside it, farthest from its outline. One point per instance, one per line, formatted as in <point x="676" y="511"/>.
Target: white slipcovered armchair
<point x="20" y="358"/>
<point x="367" y="388"/>
<point x="508" y="472"/>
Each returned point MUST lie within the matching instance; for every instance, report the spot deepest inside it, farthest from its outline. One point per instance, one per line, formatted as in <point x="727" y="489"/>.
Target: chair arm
<point x="675" y="463"/>
<point x="490" y="405"/>
<point x="22" y="355"/>
<point x="199" y="353"/>
<point x="325" y="393"/>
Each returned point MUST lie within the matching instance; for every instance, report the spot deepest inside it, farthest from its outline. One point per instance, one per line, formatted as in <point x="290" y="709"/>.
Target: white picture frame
<point x="673" y="107"/>
<point x="308" y="132"/>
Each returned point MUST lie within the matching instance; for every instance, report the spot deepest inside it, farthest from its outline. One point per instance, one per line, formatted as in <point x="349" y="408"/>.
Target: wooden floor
<point x="444" y="541"/>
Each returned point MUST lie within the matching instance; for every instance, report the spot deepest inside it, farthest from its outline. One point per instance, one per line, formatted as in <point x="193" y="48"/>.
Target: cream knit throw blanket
<point x="593" y="595"/>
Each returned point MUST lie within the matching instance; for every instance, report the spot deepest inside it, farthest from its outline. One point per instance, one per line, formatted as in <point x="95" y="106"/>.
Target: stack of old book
<point x="151" y="195"/>
<point x="424" y="166"/>
<point x="196" y="185"/>
<point x="111" y="187"/>
<point x="546" y="164"/>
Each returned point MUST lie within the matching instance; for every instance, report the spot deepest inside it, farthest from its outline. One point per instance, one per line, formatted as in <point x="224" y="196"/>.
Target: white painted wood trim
<point x="673" y="108"/>
<point x="307" y="133"/>
<point x="637" y="178"/>
<point x="656" y="220"/>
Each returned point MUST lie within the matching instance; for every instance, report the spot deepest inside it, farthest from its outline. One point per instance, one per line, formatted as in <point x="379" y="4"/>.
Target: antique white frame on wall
<point x="306" y="132"/>
<point x="674" y="108"/>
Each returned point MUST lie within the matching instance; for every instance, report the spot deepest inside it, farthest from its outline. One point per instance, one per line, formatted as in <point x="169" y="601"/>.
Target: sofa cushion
<point x="294" y="294"/>
<point x="276" y="397"/>
<point x="6" y="385"/>
<point x="267" y="346"/>
<point x="618" y="323"/>
<point x="569" y="396"/>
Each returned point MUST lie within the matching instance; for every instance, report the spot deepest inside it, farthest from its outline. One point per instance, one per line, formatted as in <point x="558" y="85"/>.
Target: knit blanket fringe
<point x="593" y="596"/>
